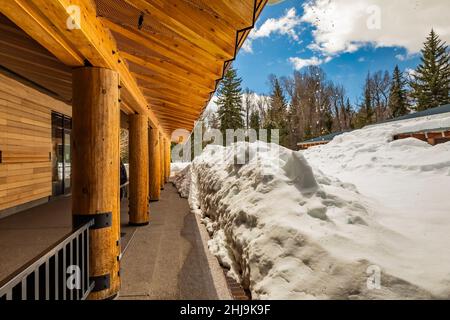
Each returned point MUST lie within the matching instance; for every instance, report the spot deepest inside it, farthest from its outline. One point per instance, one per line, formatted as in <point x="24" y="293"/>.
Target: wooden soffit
<point x="170" y="54"/>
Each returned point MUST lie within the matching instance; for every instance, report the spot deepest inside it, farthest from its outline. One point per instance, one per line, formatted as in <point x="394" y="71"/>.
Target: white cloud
<point x="300" y="63"/>
<point x="404" y="57"/>
<point x="346" y="25"/>
<point x="284" y="25"/>
<point x="247" y="46"/>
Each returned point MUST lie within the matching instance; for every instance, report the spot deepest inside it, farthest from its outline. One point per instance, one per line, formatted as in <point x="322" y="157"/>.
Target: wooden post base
<point x="95" y="171"/>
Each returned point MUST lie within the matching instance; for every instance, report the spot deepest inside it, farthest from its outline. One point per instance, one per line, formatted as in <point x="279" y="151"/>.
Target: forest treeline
<point x="307" y="104"/>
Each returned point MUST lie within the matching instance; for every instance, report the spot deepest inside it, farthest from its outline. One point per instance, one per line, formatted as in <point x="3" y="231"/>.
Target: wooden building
<point x="74" y="71"/>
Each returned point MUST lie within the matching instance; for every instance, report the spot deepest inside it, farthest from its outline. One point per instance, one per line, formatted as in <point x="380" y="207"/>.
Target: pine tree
<point x="398" y="101"/>
<point x="255" y="121"/>
<point x="432" y="77"/>
<point x="349" y="116"/>
<point x="367" y="108"/>
<point x="277" y="113"/>
<point x="230" y="102"/>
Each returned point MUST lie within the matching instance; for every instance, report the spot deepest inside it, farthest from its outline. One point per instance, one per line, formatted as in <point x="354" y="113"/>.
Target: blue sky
<point x="345" y="39"/>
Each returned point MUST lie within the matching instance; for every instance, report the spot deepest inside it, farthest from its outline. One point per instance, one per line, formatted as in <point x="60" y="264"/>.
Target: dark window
<point x="61" y="157"/>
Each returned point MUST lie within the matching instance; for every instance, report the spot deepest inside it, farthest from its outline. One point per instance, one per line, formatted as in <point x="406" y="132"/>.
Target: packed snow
<point x="328" y="222"/>
<point x="176" y="167"/>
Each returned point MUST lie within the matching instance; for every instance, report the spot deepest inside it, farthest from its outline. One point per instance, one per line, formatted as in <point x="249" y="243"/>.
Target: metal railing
<point x="59" y="273"/>
<point x="124" y="187"/>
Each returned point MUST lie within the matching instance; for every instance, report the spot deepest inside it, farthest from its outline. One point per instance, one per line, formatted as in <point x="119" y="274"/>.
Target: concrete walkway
<point x="26" y="234"/>
<point x="167" y="259"/>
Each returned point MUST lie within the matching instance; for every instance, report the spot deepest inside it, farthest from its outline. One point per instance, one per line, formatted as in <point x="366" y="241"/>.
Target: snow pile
<point x="176" y="167"/>
<point x="182" y="180"/>
<point x="288" y="230"/>
<point x="408" y="182"/>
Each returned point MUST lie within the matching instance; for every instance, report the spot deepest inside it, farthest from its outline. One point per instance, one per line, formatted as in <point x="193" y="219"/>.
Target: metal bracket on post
<point x="100" y="282"/>
<point x="101" y="220"/>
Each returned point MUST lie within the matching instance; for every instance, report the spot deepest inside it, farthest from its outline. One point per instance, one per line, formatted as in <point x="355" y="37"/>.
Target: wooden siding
<point x="25" y="142"/>
<point x="433" y="137"/>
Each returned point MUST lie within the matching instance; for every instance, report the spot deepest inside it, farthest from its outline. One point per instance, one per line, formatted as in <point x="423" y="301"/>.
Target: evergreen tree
<point x="367" y="107"/>
<point x="432" y="77"/>
<point x="349" y="116"/>
<point x="328" y="122"/>
<point x="398" y="101"/>
<point x="230" y="102"/>
<point x="255" y="121"/>
<point x="277" y="113"/>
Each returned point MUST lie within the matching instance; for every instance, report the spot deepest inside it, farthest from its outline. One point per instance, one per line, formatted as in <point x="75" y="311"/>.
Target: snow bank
<point x="408" y="182"/>
<point x="290" y="230"/>
<point x="182" y="181"/>
<point x="176" y="167"/>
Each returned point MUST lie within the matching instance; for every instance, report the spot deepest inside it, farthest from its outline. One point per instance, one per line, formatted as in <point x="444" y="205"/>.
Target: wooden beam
<point x="15" y="37"/>
<point x="45" y="65"/>
<point x="181" y="98"/>
<point x="166" y="104"/>
<point x="166" y="112"/>
<point x="164" y="87"/>
<point x="176" y="122"/>
<point x="189" y="27"/>
<point x="155" y="79"/>
<point x="165" y="68"/>
<point x="27" y="17"/>
<point x="237" y="12"/>
<point x="198" y="64"/>
<point x="125" y="107"/>
<point x="46" y="22"/>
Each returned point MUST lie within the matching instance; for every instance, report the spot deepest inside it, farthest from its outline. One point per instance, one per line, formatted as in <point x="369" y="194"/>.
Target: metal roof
<point x="327" y="137"/>
<point x="425" y="113"/>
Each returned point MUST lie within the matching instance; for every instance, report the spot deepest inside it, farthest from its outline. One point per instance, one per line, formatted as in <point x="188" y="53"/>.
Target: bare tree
<point x="248" y="105"/>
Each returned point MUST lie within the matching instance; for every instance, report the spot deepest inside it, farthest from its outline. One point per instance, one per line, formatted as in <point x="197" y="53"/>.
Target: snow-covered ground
<point x="176" y="167"/>
<point x="322" y="223"/>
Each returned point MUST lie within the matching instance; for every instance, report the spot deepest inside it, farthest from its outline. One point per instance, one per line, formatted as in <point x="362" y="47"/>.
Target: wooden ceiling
<point x="170" y="54"/>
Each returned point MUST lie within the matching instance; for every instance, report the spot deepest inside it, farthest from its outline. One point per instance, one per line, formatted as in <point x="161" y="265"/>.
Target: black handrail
<point x="59" y="273"/>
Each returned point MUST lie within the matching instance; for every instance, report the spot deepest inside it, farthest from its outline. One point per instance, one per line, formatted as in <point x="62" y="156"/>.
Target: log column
<point x="162" y="161"/>
<point x="138" y="155"/>
<point x="167" y="159"/>
<point x="95" y="172"/>
<point x="169" y="156"/>
<point x="154" y="164"/>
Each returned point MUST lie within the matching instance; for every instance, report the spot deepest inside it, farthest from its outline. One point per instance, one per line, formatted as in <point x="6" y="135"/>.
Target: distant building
<point x="432" y="136"/>
<point x="318" y="141"/>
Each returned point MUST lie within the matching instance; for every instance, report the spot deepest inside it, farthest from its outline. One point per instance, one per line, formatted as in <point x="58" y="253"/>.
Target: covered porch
<point x="166" y="259"/>
<point x="98" y="66"/>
